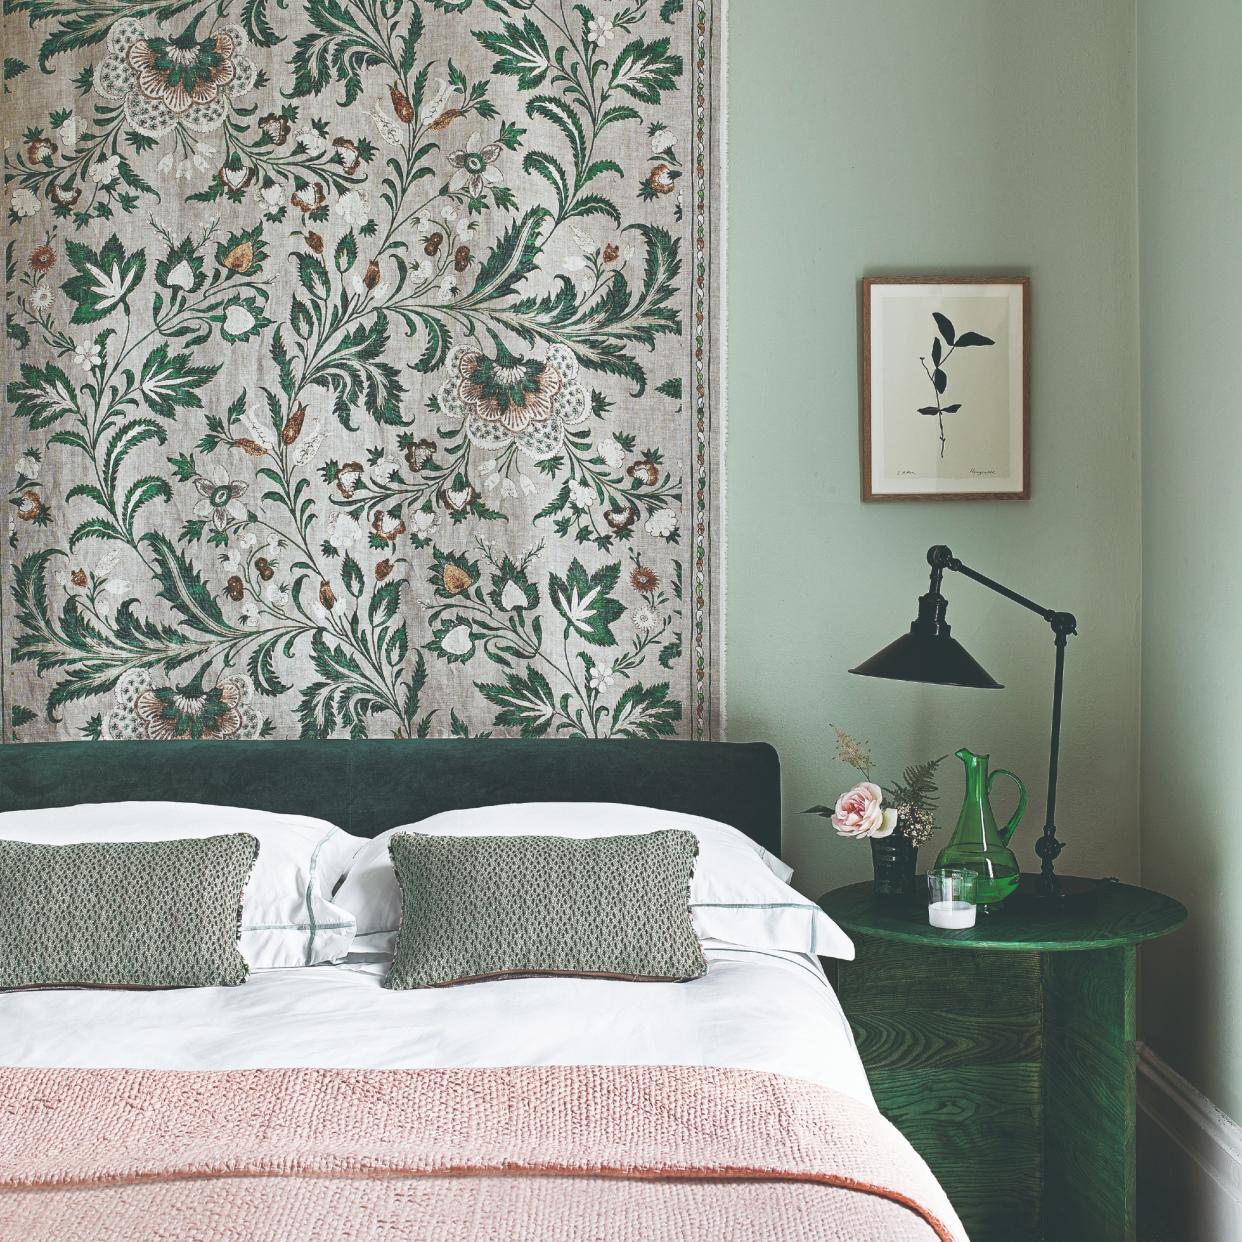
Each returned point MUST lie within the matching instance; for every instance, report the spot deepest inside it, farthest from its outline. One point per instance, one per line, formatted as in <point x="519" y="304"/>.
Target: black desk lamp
<point x="929" y="653"/>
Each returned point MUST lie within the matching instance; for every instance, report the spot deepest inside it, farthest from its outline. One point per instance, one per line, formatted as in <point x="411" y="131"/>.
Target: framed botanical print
<point x="946" y="392"/>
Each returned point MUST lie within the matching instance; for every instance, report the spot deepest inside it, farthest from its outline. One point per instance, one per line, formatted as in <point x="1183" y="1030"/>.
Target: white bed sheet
<point x="752" y="1010"/>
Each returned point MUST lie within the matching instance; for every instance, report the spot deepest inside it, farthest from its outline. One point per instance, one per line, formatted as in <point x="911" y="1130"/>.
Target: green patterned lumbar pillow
<point x="127" y="914"/>
<point x="482" y="907"/>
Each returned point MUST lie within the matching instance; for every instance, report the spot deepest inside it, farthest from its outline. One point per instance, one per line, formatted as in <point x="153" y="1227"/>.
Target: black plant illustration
<point x="936" y="373"/>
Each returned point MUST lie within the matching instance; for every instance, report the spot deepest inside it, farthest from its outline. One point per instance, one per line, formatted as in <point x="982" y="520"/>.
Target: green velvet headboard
<point x="366" y="787"/>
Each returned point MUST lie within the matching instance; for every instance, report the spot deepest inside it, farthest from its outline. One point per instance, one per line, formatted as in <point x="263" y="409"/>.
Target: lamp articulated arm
<point x="1063" y="625"/>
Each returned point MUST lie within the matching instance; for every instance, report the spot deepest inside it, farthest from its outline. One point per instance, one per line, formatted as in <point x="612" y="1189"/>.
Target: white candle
<point x="951" y="914"/>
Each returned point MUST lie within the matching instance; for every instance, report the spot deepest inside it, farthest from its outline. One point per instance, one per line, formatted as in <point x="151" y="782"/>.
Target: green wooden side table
<point x="1005" y="1053"/>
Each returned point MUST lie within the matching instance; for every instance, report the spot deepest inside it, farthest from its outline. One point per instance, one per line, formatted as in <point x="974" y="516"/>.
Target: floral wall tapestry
<point x="361" y="368"/>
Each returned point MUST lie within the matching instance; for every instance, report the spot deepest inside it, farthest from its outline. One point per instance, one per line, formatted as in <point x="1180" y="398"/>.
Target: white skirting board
<point x="1189" y="1156"/>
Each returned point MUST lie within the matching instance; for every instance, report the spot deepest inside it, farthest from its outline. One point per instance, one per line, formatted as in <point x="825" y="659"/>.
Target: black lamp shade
<point x="929" y="653"/>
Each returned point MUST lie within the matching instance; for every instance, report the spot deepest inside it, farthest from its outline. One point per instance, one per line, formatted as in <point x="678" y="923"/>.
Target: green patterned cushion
<point x="127" y="914"/>
<point x="480" y="907"/>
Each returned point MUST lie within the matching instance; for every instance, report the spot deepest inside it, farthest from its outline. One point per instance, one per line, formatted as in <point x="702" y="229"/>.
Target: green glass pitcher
<point x="977" y="842"/>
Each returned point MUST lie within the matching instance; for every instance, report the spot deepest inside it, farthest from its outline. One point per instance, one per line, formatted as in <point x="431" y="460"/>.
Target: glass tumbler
<point x="951" y="897"/>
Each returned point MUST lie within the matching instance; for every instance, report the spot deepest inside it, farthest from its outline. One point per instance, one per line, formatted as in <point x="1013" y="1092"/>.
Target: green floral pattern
<point x="361" y="369"/>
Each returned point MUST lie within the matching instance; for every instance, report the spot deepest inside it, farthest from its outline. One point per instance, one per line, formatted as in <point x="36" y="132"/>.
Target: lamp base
<point x="1075" y="893"/>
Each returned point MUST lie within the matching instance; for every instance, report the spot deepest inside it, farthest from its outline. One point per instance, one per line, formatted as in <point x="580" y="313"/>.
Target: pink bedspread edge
<point x="81" y="1128"/>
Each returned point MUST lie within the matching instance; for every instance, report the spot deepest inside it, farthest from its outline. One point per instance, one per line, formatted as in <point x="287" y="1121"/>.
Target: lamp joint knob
<point x="1063" y="624"/>
<point x="1048" y="848"/>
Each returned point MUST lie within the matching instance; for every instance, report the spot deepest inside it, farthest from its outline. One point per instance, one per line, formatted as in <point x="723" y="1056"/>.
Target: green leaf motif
<point x="346" y="254"/>
<point x="351" y="575"/>
<point x="526" y="703"/>
<point x="646" y="712"/>
<point x="643" y="70"/>
<point x="168" y="382"/>
<point x="183" y="587"/>
<point x="511" y="260"/>
<point x="343" y="46"/>
<point x="521" y="52"/>
<point x="13" y="69"/>
<point x="104" y="279"/>
<point x="44" y="396"/>
<point x="584" y="601"/>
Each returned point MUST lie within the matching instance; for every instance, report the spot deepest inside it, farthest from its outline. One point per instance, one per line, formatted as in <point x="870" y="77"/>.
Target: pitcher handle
<point x="1008" y="830"/>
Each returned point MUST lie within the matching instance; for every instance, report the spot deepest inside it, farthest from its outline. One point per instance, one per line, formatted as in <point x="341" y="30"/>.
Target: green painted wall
<point x="1190" y="204"/>
<point x="871" y="136"/>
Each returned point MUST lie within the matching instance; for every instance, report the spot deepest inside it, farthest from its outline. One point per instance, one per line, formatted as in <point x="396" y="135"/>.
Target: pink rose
<point x="860" y="813"/>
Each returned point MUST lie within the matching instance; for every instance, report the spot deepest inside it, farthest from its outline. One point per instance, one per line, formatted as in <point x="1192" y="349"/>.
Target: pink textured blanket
<point x="598" y="1153"/>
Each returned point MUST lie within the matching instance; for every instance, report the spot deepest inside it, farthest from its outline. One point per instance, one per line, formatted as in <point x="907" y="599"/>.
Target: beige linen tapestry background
<point x="361" y="368"/>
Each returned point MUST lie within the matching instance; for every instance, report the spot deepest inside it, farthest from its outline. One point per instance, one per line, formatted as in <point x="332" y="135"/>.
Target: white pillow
<point x="288" y="918"/>
<point x="739" y="892"/>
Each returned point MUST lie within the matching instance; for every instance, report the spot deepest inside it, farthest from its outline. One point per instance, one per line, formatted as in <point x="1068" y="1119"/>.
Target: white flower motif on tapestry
<point x="513" y="597"/>
<point x="387" y="130"/>
<point x="661" y="140"/>
<point x="424" y="523"/>
<point x="67" y="135"/>
<point x="581" y="495"/>
<point x="347" y="533"/>
<point x="435" y="105"/>
<point x="602" y="677"/>
<point x="662" y="523"/>
<point x="612" y="455"/>
<point x="276" y="595"/>
<point x="41" y="298"/>
<point x="239" y="320"/>
<point x="458" y="640"/>
<point x="220" y="499"/>
<point x="644" y="617"/>
<point x="183" y="80"/>
<point x="237" y="554"/>
<point x="105" y="171"/>
<point x="447" y="210"/>
<point x="87" y="355"/>
<point x="507" y="399"/>
<point x="475" y="166"/>
<point x="313" y="142"/>
<point x="24" y="202"/>
<point x="601" y="29"/>
<point x="310" y="446"/>
<point x="492" y="479"/>
<point x="184" y="169"/>
<point x="354" y="207"/>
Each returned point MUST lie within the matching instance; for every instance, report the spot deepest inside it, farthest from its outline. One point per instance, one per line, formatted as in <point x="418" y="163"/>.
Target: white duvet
<point x="752" y="1010"/>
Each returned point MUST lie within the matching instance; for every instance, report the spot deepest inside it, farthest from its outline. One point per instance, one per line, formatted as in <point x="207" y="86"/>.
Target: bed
<point x="311" y="1103"/>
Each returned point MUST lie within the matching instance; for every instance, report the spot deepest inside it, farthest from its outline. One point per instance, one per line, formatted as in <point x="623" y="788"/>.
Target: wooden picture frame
<point x="914" y="444"/>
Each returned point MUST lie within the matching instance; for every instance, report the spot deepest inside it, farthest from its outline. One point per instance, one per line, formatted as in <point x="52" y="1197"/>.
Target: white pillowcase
<point x="288" y="917"/>
<point x="739" y="893"/>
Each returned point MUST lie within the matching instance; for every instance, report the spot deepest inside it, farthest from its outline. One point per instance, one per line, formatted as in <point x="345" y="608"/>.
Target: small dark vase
<point x="894" y="858"/>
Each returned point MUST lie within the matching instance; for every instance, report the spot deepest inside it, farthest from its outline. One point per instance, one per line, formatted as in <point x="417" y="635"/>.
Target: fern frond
<point x="917" y="786"/>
